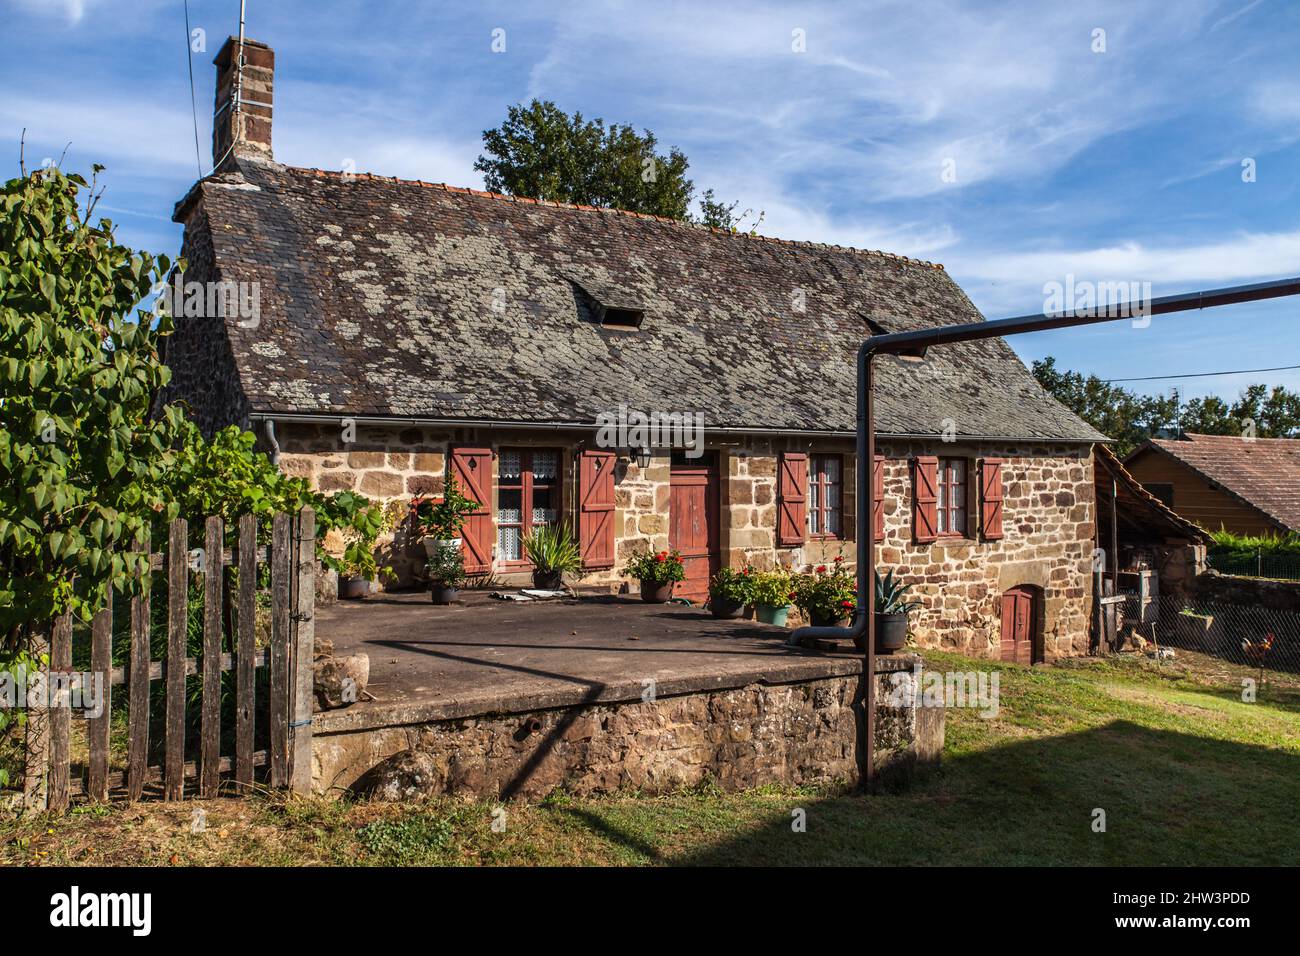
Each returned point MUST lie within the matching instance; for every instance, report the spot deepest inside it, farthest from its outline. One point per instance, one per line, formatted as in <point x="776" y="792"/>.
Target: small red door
<point x="1018" y="626"/>
<point x="693" y="523"/>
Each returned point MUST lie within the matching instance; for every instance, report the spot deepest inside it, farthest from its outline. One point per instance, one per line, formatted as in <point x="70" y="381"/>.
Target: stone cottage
<point x="406" y="330"/>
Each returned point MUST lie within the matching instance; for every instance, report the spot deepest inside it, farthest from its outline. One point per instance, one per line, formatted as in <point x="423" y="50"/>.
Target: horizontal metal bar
<point x="918" y="340"/>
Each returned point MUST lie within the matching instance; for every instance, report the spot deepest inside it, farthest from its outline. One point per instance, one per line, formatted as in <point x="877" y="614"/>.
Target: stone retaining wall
<point x="799" y="733"/>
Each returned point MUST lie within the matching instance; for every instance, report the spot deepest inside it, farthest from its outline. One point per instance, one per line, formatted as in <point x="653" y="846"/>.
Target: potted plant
<point x="553" y="551"/>
<point x="771" y="595"/>
<point x="446" y="570"/>
<point x="892" y="608"/>
<point x="439" y="520"/>
<point x="729" y="592"/>
<point x="827" y="595"/>
<point x="657" y="572"/>
<point x="357" y="576"/>
<point x="357" y="568"/>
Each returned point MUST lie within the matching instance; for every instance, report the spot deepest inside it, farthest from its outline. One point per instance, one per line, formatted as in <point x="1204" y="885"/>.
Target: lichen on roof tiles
<point x="439" y="302"/>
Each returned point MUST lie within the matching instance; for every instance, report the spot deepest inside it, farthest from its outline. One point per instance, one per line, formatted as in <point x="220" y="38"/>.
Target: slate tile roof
<point x="396" y="298"/>
<point x="1263" y="473"/>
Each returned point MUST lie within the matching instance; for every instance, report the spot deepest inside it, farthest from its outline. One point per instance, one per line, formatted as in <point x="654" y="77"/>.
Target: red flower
<point x="839" y="559"/>
<point x="847" y="605"/>
<point x="821" y="569"/>
<point x="790" y="596"/>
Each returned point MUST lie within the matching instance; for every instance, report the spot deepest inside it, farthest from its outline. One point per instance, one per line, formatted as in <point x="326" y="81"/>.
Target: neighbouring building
<point x="408" y="330"/>
<point x="1245" y="485"/>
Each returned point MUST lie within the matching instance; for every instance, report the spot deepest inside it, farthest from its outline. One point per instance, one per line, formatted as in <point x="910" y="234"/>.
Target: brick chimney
<point x="242" y="114"/>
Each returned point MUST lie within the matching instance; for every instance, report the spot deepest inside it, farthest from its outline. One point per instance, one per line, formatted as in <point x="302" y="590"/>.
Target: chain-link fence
<point x="1246" y="636"/>
<point x="1256" y="564"/>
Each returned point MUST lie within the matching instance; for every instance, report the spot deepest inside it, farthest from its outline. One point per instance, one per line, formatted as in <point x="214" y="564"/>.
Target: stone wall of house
<point x="1048" y="519"/>
<point x="1048" y="523"/>
<point x="800" y="733"/>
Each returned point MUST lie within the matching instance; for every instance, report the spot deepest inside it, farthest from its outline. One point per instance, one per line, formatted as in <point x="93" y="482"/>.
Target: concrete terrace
<point x="487" y="656"/>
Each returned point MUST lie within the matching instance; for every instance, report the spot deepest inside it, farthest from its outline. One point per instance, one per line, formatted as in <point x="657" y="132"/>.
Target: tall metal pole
<point x="866" y="528"/>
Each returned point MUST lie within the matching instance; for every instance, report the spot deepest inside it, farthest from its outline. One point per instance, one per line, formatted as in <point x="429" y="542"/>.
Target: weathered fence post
<point x="137" y="675"/>
<point x="304" y="647"/>
<point x="60" y="712"/>
<point x="210" y="727"/>
<point x="36" y="763"/>
<point x="101" y="668"/>
<point x="280" y="622"/>
<point x="178" y="587"/>
<point x="245" y="648"/>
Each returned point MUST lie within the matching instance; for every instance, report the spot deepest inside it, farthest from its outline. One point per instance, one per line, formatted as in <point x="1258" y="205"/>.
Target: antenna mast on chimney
<point x="239" y="63"/>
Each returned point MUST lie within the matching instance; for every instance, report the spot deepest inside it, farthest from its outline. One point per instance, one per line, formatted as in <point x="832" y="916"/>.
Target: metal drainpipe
<point x="864" y="620"/>
<point x="275" y="445"/>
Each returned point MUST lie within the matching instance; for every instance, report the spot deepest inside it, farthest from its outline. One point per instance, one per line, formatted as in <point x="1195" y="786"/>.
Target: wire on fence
<point x="1246" y="635"/>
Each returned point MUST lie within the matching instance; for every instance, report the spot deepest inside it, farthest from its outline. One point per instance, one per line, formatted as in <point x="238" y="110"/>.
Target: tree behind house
<point x="1130" y="419"/>
<point x="544" y="153"/>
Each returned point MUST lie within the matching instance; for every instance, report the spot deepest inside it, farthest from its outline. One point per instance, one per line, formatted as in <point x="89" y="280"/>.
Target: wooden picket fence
<point x="49" y="781"/>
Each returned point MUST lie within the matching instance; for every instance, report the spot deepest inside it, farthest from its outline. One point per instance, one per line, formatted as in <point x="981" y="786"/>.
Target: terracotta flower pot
<point x="442" y="594"/>
<point x="726" y="607"/>
<point x="652" y="592"/>
<point x="767" y="614"/>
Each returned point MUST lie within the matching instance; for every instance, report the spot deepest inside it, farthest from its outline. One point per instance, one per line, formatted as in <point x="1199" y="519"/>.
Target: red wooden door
<point x="473" y="470"/>
<point x="1018" y="626"/>
<point x="693" y="523"/>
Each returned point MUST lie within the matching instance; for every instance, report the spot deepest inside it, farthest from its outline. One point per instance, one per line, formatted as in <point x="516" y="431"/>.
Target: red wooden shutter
<point x="925" y="498"/>
<point x="878" y="499"/>
<point x="596" y="508"/>
<point x="991" y="498"/>
<point x="473" y="470"/>
<point x="792" y="498"/>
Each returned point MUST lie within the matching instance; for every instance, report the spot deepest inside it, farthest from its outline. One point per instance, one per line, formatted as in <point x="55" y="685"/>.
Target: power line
<point x="194" y="109"/>
<point x="1240" y="371"/>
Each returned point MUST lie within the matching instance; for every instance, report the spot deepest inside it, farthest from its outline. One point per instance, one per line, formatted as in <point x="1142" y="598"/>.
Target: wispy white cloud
<point x="71" y="11"/>
<point x="109" y="127"/>
<point x="1243" y="256"/>
<point x="1236" y="14"/>
<point x="1002" y="283"/>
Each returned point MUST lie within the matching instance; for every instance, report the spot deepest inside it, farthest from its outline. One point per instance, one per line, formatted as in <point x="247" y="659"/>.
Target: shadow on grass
<point x="1168" y="799"/>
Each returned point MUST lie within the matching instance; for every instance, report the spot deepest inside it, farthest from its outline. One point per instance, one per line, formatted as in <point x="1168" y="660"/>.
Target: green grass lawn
<point x="1185" y="771"/>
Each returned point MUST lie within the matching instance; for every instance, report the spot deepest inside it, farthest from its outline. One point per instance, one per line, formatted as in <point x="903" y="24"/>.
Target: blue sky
<point x="994" y="138"/>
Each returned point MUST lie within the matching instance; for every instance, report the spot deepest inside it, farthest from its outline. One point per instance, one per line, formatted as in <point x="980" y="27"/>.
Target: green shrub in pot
<point x="772" y="594"/>
<point x="729" y="591"/>
<point x="553" y="552"/>
<point x="446" y="571"/>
